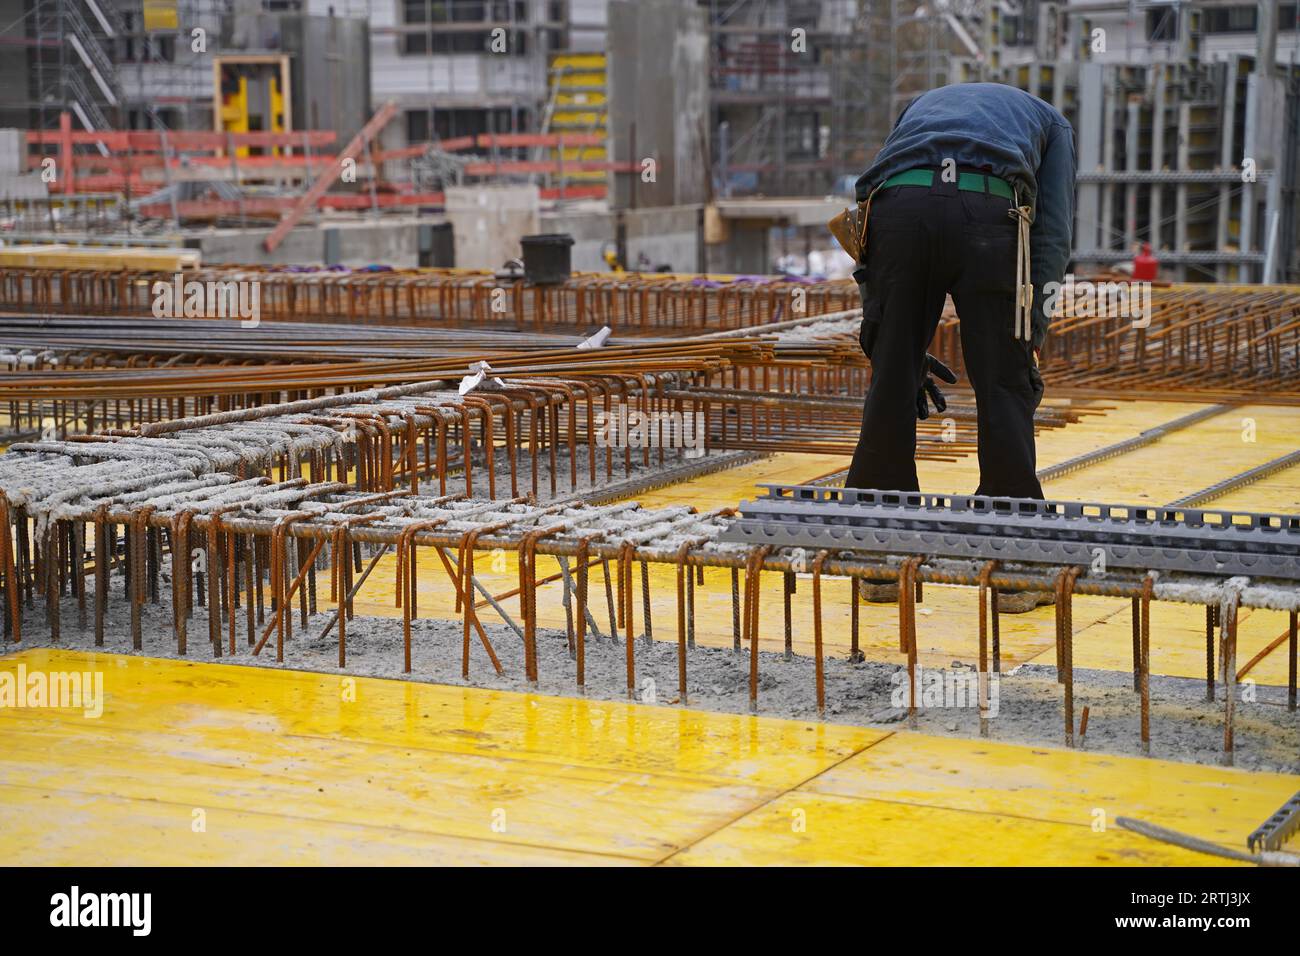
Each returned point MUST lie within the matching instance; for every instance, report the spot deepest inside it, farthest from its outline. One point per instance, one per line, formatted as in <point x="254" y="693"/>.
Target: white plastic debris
<point x="478" y="372"/>
<point x="595" y="341"/>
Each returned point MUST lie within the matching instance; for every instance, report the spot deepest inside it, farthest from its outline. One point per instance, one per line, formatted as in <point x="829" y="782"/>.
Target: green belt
<point x="968" y="182"/>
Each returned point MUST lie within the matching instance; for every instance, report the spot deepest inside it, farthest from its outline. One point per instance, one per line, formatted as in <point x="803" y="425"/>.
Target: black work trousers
<point x="924" y="243"/>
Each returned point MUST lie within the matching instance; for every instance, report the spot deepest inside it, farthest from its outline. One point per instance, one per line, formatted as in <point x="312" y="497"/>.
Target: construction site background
<point x="692" y="136"/>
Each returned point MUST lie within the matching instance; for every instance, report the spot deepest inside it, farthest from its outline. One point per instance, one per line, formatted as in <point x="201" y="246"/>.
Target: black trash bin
<point x="548" y="258"/>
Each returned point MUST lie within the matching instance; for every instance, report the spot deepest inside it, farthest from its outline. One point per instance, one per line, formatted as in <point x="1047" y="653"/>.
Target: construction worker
<point x="971" y="196"/>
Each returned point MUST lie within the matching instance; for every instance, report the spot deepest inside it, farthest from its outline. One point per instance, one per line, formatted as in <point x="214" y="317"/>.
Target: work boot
<point x="1018" y="602"/>
<point x="878" y="592"/>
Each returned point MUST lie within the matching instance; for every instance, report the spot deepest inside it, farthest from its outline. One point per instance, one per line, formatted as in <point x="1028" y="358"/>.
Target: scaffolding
<point x="1191" y="152"/>
<point x="72" y="67"/>
<point x="779" y="88"/>
<point x="805" y="93"/>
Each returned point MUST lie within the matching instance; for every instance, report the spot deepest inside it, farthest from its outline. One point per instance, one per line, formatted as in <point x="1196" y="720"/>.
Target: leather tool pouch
<point x="850" y="229"/>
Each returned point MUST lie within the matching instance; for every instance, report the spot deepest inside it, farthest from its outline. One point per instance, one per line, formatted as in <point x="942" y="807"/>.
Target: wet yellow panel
<point x="412" y="789"/>
<point x="947" y="627"/>
<point x="74" y="829"/>
<point x="806" y="828"/>
<point x="1060" y="786"/>
<point x="1178" y="642"/>
<point x="425" y="763"/>
<point x="1106" y="424"/>
<point x="727" y="488"/>
<point x="1279" y="493"/>
<point x="1184" y="461"/>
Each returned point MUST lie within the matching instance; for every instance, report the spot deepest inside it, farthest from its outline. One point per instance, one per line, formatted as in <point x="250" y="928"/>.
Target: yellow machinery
<point x="577" y="88"/>
<point x="251" y="94"/>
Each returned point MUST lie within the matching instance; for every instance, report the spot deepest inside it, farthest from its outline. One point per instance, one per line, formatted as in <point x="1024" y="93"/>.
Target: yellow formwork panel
<point x="1173" y="466"/>
<point x="726" y="489"/>
<point x="1178" y="464"/>
<point x="804" y="828"/>
<point x="75" y="827"/>
<point x="209" y="764"/>
<point x="464" y="774"/>
<point x="1061" y="786"/>
<point x="946" y="801"/>
<point x="1187" y="460"/>
<point x="1178" y="642"/>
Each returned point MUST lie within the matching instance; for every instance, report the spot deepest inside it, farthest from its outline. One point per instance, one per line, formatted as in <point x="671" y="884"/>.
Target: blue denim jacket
<point x="1013" y="134"/>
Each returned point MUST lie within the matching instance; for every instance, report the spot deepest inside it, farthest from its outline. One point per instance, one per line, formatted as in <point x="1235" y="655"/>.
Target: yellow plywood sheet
<point x="1116" y="422"/>
<point x="77" y="829"/>
<point x="726" y="489"/>
<point x="1071" y="787"/>
<point x="950" y="802"/>
<point x="321" y="760"/>
<point x="946" y="617"/>
<point x="841" y="831"/>
<point x="946" y="627"/>
<point x="1187" y="460"/>
<point x="209" y="764"/>
<point x="944" y="622"/>
<point x="1178" y="642"/>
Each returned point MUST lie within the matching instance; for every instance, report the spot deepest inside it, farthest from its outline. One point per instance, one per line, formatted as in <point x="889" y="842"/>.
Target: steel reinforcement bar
<point x="73" y="511"/>
<point x="631" y="303"/>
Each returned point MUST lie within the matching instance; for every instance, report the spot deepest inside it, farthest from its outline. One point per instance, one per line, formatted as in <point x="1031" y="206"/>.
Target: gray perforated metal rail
<point x="1148" y="437"/>
<point x="1214" y="543"/>
<point x="1239" y="480"/>
<point x="1277" y="829"/>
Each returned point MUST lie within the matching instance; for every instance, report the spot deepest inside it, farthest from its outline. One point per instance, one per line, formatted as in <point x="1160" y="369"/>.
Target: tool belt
<point x="966" y="182"/>
<point x="850" y="230"/>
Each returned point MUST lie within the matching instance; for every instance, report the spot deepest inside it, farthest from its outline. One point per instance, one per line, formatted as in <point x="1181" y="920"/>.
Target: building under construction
<point x="413" y="455"/>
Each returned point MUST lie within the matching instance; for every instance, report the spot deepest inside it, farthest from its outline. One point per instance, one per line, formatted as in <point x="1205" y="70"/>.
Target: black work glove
<point x="867" y="336"/>
<point x="929" y="389"/>
<point x="1039" y="321"/>
<point x="1035" y="379"/>
<point x="870" y="314"/>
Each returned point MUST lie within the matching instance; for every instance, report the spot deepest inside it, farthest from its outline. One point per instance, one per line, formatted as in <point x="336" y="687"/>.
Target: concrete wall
<point x="489" y="221"/>
<point x="658" y="81"/>
<point x="15" y="181"/>
<point x="390" y="242"/>
<point x="666" y="235"/>
<point x="15" y="66"/>
<point x="331" y="72"/>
